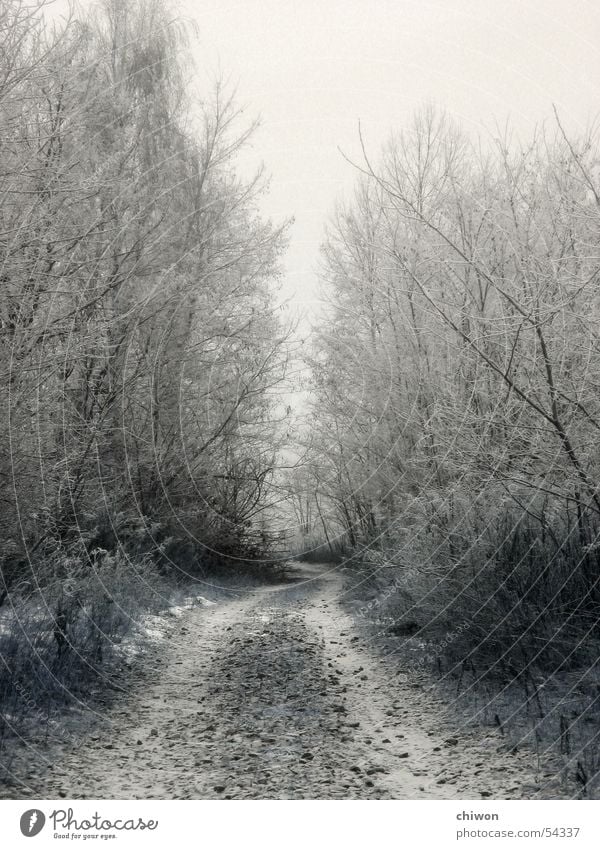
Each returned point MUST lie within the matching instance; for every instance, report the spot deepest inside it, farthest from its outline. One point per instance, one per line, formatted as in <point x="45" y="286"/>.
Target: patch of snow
<point x="205" y="602"/>
<point x="153" y="628"/>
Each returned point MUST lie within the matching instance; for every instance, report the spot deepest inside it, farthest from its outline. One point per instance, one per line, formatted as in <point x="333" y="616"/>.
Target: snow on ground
<point x="276" y="694"/>
<point x="154" y="628"/>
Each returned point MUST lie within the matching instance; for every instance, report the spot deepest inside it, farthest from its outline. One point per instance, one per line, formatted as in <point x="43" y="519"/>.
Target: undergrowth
<point x="510" y="631"/>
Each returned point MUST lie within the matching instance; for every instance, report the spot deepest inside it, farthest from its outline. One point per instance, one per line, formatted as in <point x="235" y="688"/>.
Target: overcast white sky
<point x="312" y="68"/>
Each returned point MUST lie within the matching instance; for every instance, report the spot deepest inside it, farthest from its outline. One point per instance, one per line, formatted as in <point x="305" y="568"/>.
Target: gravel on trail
<point x="274" y="695"/>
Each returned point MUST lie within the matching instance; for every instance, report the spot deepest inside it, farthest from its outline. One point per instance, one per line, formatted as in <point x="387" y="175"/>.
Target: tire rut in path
<point x="284" y="716"/>
<point x="273" y="696"/>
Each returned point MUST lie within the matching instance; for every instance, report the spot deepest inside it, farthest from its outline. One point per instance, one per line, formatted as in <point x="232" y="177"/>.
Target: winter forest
<point x="178" y="446"/>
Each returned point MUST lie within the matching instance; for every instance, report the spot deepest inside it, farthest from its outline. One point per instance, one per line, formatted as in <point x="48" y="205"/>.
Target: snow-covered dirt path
<point x="275" y="695"/>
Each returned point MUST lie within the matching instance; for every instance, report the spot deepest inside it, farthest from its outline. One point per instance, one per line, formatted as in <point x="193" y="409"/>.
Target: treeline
<point x="138" y="339"/>
<point x="456" y="415"/>
<point x="140" y="347"/>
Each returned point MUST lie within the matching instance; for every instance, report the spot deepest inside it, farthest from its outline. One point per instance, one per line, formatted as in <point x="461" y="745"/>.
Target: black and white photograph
<point x="300" y="417"/>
